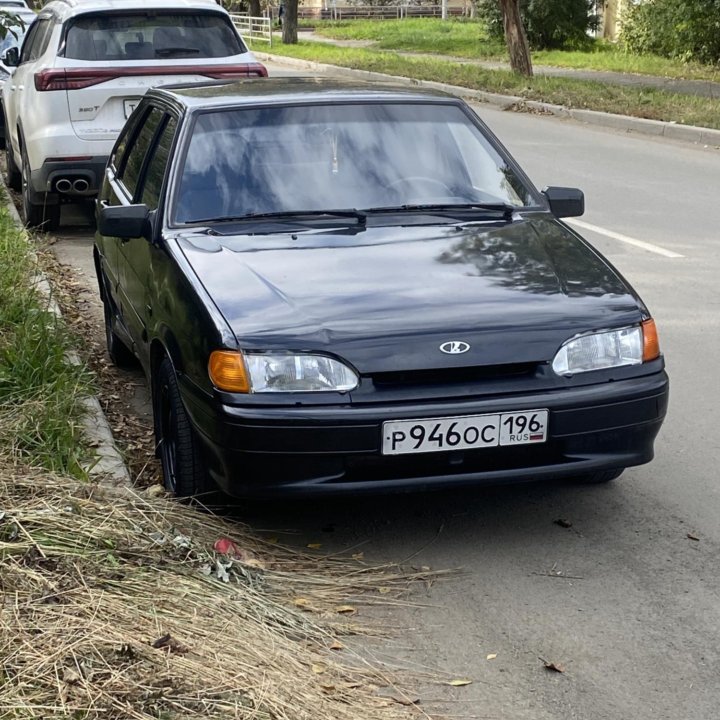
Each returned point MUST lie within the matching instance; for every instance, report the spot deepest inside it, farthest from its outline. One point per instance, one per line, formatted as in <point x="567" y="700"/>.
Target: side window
<point x="155" y="173"/>
<point x="37" y="39"/>
<point x="132" y="162"/>
<point x="118" y="155"/>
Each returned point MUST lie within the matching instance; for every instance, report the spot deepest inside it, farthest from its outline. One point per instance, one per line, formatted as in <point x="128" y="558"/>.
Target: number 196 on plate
<point x="466" y="432"/>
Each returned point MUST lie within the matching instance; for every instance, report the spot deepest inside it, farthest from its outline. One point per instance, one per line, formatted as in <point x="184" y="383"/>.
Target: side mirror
<point x="124" y="221"/>
<point x="11" y="57"/>
<point x="565" y="202"/>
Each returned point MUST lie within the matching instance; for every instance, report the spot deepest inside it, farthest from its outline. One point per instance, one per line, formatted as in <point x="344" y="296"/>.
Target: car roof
<point x="70" y="8"/>
<point x="289" y="90"/>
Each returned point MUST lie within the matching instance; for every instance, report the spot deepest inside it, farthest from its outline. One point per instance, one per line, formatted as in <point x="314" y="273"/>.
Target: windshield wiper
<point x="358" y="215"/>
<point x="503" y="209"/>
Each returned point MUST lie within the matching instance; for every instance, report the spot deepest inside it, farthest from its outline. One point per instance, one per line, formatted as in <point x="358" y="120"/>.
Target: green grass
<point x="460" y="38"/>
<point x="40" y="390"/>
<point x="625" y="100"/>
<point x="468" y="39"/>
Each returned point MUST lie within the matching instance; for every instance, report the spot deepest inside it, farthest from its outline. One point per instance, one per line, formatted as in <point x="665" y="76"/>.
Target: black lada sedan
<point x="341" y="287"/>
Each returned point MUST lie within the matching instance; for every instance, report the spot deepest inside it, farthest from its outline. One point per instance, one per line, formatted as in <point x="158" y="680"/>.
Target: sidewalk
<point x="701" y="88"/>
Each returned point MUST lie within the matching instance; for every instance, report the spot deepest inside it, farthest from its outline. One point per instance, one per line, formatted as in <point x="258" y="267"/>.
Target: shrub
<point x="685" y="29"/>
<point x="549" y="24"/>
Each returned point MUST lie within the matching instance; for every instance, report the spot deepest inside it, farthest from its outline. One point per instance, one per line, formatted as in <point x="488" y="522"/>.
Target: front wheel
<point x="42" y="216"/>
<point x="177" y="445"/>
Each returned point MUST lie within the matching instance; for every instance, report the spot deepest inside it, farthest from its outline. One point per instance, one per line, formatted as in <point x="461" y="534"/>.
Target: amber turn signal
<point x="227" y="371"/>
<point x="651" y="344"/>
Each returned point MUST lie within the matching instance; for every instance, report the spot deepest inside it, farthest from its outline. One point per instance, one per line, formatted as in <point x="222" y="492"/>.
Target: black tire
<point x="598" y="478"/>
<point x="184" y="472"/>
<point x="12" y="172"/>
<point x="41" y="216"/>
<point x="120" y="354"/>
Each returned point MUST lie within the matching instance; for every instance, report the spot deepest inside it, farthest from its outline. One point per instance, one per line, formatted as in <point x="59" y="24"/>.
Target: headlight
<point x="608" y="349"/>
<point x="298" y="373"/>
<point x="279" y="372"/>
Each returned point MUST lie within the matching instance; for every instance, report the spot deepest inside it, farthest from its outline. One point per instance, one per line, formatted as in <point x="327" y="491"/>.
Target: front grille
<point x="445" y="376"/>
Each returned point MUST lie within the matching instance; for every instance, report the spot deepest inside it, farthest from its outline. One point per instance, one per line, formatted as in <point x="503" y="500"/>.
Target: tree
<point x="290" y="22"/>
<point x="515" y="38"/>
<point x="255" y="9"/>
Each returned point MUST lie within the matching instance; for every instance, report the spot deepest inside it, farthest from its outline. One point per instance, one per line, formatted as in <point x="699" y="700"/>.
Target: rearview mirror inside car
<point x="123" y="221"/>
<point x="565" y="202"/>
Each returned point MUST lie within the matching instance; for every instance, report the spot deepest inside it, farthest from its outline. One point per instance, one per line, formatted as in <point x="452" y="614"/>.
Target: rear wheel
<point x="598" y="478"/>
<point x="177" y="445"/>
<point x="42" y="216"/>
<point x="12" y="173"/>
<point x="120" y="354"/>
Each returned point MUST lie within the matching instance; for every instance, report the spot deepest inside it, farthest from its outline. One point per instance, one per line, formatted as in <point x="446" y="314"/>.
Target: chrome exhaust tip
<point x="63" y="185"/>
<point x="80" y="185"/>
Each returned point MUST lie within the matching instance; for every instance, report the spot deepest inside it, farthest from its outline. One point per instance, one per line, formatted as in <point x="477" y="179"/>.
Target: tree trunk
<point x="290" y="22"/>
<point x="610" y="19"/>
<point x="515" y="38"/>
<point x="255" y="9"/>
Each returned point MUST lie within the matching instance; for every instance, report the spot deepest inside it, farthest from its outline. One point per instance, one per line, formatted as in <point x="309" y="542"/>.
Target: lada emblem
<point x="454" y="347"/>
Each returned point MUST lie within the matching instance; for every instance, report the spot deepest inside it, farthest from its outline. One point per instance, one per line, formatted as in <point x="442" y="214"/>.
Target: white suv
<point x="82" y="69"/>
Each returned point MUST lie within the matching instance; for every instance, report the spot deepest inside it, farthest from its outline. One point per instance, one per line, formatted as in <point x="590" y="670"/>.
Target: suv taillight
<point x="78" y="78"/>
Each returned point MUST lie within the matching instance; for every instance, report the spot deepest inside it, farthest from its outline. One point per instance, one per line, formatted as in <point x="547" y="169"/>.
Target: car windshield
<point x="152" y="35"/>
<point x="319" y="157"/>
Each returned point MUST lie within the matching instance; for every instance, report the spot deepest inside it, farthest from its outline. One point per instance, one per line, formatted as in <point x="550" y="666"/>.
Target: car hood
<point x="385" y="298"/>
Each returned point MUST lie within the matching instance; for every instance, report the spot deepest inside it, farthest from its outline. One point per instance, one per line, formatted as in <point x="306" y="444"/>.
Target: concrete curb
<point x="108" y="466"/>
<point x="658" y="128"/>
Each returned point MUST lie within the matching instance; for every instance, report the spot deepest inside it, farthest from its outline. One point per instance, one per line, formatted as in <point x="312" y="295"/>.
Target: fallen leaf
<point x="690" y="536"/>
<point x="337" y="645"/>
<point x="554" y="667"/>
<point x="384" y="590"/>
<point x="300" y="602"/>
<point x="155" y="491"/>
<point x="491" y="656"/>
<point x="170" y="644"/>
<point x="271" y="540"/>
<point x="407" y="701"/>
<point x="314" y="546"/>
<point x="327" y="687"/>
<point x="319" y="668"/>
<point x="71" y="677"/>
<point x="358" y="556"/>
<point x="459" y="682"/>
<point x="563" y="523"/>
<point x="346" y="610"/>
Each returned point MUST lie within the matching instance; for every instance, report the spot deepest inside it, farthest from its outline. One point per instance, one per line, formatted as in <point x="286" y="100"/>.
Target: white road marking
<point x="624" y="238"/>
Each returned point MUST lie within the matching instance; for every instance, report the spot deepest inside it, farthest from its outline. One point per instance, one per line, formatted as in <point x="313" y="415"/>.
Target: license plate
<point x="467" y="432"/>
<point x="130" y="105"/>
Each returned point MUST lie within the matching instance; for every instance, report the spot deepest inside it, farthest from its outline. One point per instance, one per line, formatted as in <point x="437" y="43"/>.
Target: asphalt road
<point x="623" y="599"/>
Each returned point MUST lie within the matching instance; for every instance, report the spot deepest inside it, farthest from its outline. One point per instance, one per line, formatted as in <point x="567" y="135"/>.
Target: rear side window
<point x="151" y="36"/>
<point x="37" y="40"/>
<point x="132" y="161"/>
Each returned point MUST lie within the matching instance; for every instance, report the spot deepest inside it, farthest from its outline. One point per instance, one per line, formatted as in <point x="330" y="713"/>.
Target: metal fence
<point x="253" y="28"/>
<point x="380" y="12"/>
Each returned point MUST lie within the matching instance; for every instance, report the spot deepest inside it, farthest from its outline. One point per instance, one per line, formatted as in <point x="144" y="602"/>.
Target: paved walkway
<point x="701" y="88"/>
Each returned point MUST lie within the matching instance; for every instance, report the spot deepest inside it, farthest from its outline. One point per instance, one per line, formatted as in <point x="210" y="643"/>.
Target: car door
<point x="21" y="84"/>
<point x="143" y="178"/>
<point x="111" y="194"/>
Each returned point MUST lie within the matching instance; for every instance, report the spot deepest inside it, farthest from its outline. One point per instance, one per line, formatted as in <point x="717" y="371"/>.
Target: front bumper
<point x="331" y="449"/>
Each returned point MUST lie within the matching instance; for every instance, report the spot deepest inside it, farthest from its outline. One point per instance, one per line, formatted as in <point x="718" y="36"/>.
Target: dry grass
<point x="113" y="606"/>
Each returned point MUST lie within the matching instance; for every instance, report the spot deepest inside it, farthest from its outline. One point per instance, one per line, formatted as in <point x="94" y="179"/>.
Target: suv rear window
<point x="151" y="36"/>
